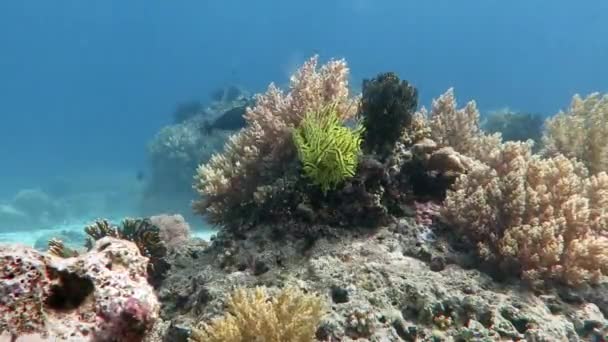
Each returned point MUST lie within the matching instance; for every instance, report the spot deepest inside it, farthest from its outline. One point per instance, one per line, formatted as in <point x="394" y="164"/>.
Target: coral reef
<point x="187" y="110"/>
<point x="482" y="172"/>
<point x="227" y="94"/>
<point x="174" y="154"/>
<point x="401" y="282"/>
<point x="154" y="237"/>
<point x="544" y="218"/>
<point x="256" y="178"/>
<point x="176" y="150"/>
<point x="403" y="226"/>
<point x="173" y="229"/>
<point x="290" y="316"/>
<point x="328" y="150"/>
<point x="541" y="218"/>
<point x="459" y="128"/>
<point x="232" y="120"/>
<point x="581" y="132"/>
<point x="144" y="234"/>
<point x="387" y="106"/>
<point x="102" y="295"/>
<point x="256" y="156"/>
<point x="469" y="199"/>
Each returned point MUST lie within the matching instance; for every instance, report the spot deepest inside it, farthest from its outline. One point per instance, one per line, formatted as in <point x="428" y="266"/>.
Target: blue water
<point x="84" y="85"/>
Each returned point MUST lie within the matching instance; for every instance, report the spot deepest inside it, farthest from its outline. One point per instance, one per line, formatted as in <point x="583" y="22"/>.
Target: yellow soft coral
<point x="252" y="316"/>
<point x="328" y="150"/>
<point x="581" y="132"/>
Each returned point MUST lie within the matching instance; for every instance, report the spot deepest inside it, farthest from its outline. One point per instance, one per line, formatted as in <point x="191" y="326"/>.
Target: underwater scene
<point x="281" y="171"/>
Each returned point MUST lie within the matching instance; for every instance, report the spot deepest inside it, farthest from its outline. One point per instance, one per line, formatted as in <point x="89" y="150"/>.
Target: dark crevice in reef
<point x="69" y="292"/>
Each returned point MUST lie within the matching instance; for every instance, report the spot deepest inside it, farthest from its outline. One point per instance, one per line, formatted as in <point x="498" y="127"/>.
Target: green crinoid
<point x="328" y="150"/>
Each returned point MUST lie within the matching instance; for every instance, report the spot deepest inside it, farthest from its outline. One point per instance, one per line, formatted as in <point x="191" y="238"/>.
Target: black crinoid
<point x="387" y="107"/>
<point x="144" y="234"/>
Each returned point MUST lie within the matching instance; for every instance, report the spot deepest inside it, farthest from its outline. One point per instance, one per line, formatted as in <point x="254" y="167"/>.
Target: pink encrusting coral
<point x="426" y="212"/>
<point x="102" y="295"/>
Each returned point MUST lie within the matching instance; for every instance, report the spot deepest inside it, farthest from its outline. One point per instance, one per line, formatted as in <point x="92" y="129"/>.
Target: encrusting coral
<point x="99" y="296"/>
<point x="146" y="237"/>
<point x="252" y="316"/>
<point x="328" y="150"/>
<point x="140" y="231"/>
<point x="256" y="155"/>
<point x="145" y="234"/>
<point x="581" y="132"/>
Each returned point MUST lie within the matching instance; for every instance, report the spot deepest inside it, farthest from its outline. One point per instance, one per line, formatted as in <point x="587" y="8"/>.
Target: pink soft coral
<point x="260" y="151"/>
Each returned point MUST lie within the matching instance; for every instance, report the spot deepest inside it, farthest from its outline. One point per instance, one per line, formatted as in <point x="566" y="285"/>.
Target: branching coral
<point x="459" y="128"/>
<point x="387" y="106"/>
<point x="258" y="152"/>
<point x="542" y="217"/>
<point x="581" y="132"/>
<point x="328" y="150"/>
<point x="252" y="316"/>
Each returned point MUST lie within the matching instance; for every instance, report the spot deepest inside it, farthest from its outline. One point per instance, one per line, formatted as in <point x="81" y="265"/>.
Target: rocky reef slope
<point x="397" y="283"/>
